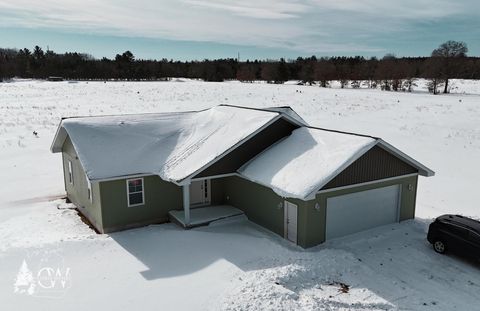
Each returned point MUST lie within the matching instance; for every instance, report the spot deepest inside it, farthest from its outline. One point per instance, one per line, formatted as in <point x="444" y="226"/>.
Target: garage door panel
<point x="360" y="211"/>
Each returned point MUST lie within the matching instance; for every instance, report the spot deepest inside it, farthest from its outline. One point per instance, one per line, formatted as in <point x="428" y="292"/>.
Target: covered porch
<point x="213" y="198"/>
<point x="200" y="216"/>
<point x="204" y="201"/>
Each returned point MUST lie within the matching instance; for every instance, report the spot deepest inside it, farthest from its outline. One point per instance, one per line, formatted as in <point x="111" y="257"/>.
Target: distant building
<point x="55" y="79"/>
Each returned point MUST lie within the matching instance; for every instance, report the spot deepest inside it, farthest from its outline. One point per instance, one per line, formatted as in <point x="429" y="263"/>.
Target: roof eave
<point x="422" y="169"/>
<point x="60" y="136"/>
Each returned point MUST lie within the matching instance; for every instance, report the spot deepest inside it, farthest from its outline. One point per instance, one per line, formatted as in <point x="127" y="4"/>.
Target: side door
<point x="291" y="213"/>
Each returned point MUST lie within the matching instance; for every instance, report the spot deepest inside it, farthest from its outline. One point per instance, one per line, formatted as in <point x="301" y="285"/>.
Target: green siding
<point x="77" y="192"/>
<point x="315" y="219"/>
<point x="109" y="210"/>
<point x="260" y="204"/>
<point x="160" y="198"/>
<point x="217" y="188"/>
<point x="264" y="207"/>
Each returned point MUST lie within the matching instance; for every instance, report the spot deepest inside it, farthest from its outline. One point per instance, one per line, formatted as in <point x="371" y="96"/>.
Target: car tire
<point x="439" y="246"/>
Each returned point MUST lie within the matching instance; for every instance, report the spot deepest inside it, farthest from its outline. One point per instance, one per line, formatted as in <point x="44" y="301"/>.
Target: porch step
<point x="202" y="216"/>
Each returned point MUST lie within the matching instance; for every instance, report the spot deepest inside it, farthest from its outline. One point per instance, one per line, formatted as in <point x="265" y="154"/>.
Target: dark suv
<point x="455" y="233"/>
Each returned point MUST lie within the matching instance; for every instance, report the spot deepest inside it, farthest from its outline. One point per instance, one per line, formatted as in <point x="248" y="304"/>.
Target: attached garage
<point x="334" y="184"/>
<point x="359" y="211"/>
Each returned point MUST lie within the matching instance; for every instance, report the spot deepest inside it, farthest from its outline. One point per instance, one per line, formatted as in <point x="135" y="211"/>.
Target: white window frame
<point x="128" y="192"/>
<point x="70" y="172"/>
<point x="89" y="190"/>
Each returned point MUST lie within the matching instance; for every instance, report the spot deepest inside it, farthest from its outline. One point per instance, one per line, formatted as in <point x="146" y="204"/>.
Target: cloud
<point x="260" y="9"/>
<point x="405" y="9"/>
<point x="311" y="26"/>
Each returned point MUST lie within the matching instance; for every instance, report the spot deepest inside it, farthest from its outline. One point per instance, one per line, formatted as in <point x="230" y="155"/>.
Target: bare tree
<point x="448" y="51"/>
<point x="385" y="72"/>
<point x="432" y="71"/>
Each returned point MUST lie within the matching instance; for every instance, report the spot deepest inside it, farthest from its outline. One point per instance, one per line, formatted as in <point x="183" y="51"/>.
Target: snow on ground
<point x="234" y="265"/>
<point x="33" y="225"/>
<point x="201" y="216"/>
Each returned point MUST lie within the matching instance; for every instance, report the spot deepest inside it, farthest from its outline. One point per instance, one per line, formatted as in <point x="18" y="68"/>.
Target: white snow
<point x="205" y="215"/>
<point x="299" y="165"/>
<point x="33" y="225"/>
<point x="234" y="264"/>
<point x="171" y="145"/>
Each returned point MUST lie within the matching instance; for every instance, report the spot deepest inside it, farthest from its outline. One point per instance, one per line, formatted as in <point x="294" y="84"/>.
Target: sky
<point x="253" y="29"/>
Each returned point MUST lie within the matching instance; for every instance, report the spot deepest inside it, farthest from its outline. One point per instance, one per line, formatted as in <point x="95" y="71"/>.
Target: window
<point x="474" y="237"/>
<point x="89" y="190"/>
<point x="135" y="193"/>
<point x="70" y="172"/>
<point x="458" y="231"/>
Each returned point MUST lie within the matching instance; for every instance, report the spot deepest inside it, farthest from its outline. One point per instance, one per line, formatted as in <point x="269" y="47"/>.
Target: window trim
<point x="70" y="172"/>
<point x="128" y="192"/>
<point x="89" y="189"/>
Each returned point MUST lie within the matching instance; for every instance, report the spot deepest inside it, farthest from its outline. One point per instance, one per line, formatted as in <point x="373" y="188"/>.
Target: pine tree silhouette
<point x="24" y="282"/>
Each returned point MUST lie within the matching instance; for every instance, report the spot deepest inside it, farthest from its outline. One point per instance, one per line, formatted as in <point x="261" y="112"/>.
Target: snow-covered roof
<point x="287" y="112"/>
<point x="177" y="146"/>
<point x="303" y="162"/>
<point x="171" y="145"/>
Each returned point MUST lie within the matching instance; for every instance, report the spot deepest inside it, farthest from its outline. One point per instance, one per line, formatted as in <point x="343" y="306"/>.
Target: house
<point x="304" y="183"/>
<point x="55" y="79"/>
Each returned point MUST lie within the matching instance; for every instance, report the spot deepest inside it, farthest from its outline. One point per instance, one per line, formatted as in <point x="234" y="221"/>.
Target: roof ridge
<point x="341" y="132"/>
<point x="253" y="108"/>
<point x="294" y="119"/>
<point x="172" y="112"/>
<point x="136" y="114"/>
<point x="307" y="126"/>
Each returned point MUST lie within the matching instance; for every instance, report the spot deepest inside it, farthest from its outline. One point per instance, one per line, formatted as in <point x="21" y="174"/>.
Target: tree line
<point x="390" y="73"/>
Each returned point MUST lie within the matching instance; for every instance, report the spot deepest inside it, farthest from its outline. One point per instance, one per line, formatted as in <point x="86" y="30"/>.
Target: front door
<point x="291" y="221"/>
<point x="200" y="192"/>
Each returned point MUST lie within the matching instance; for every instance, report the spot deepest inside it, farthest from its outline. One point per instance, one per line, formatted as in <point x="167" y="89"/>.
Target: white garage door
<point x="363" y="210"/>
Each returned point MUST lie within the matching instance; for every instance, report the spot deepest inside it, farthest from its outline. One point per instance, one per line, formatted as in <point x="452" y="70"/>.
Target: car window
<point x="458" y="231"/>
<point x="474" y="237"/>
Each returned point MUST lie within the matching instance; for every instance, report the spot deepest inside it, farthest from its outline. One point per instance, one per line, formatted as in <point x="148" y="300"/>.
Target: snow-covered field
<point x="234" y="264"/>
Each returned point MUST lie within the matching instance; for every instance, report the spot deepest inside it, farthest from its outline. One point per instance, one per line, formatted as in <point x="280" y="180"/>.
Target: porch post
<point x="186" y="203"/>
